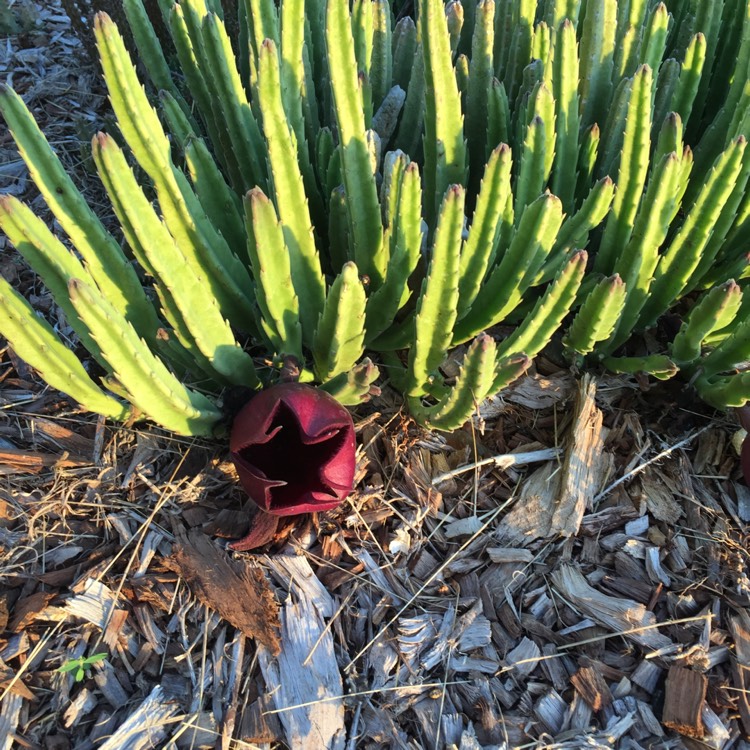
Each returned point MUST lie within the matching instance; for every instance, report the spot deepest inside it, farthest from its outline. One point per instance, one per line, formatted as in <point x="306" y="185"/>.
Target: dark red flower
<point x="294" y="449"/>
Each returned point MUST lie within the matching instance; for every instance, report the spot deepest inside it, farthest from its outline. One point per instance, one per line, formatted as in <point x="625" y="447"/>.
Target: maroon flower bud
<point x="294" y="449"/>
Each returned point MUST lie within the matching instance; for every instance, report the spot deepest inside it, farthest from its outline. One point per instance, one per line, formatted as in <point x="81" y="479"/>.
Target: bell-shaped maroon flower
<point x="294" y="449"/>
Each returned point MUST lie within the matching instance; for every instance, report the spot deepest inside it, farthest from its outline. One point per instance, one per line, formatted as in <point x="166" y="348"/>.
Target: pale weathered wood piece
<point x="146" y="726"/>
<point x="581" y="465"/>
<point x="739" y="625"/>
<point x="9" y="715"/>
<point x="620" y="615"/>
<point x="303" y="681"/>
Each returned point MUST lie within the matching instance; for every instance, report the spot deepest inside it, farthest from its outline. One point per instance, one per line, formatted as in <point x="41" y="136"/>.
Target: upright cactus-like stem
<point x="340" y="336"/>
<point x="632" y="173"/>
<point x="444" y="145"/>
<point x="531" y="129"/>
<point x="210" y="336"/>
<point x="436" y="312"/>
<point x="480" y="85"/>
<point x="682" y="257"/>
<point x="565" y="75"/>
<point x="472" y="386"/>
<point x="715" y="311"/>
<point x="105" y="261"/>
<point x="359" y="180"/>
<point x="505" y="285"/>
<point x="183" y="215"/>
<point x="276" y="295"/>
<point x="289" y="190"/>
<point x="539" y="326"/>
<point x="406" y="231"/>
<point x="50" y="259"/>
<point x="492" y="220"/>
<point x="597" y="317"/>
<point x="597" y="59"/>
<point x="151" y="388"/>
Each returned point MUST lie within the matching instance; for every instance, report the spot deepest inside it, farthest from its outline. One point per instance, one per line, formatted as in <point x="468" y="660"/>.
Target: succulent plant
<point x="332" y="182"/>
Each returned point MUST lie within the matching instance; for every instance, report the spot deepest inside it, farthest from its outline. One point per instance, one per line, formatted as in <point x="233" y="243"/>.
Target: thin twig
<point x="502" y="461"/>
<point x="638" y="469"/>
<point x="361" y="693"/>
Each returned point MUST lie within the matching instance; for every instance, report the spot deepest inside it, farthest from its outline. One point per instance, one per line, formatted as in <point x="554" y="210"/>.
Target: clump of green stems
<point x="334" y="183"/>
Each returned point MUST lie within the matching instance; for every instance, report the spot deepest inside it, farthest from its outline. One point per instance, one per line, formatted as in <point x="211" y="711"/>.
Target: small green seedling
<point x="81" y="665"/>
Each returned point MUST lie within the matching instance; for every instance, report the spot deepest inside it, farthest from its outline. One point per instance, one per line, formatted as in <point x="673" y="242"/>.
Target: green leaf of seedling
<point x="81" y="665"/>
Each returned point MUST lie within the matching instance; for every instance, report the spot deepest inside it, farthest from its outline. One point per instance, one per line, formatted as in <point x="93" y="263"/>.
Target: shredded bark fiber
<point x="236" y="589"/>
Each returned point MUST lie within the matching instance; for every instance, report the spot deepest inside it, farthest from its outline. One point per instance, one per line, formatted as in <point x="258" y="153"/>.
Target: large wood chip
<point x="683" y="701"/>
<point x="63" y="437"/>
<point x="14" y="460"/>
<point x="146" y="726"/>
<point x="10" y="712"/>
<point x="661" y="501"/>
<point x="9" y="682"/>
<point x="581" y="466"/>
<point x="524" y="658"/>
<point x="97" y="604"/>
<point x="4" y="614"/>
<point x="28" y="609"/>
<point x="238" y="591"/>
<point x="619" y="615"/>
<point x="259" y="724"/>
<point x="540" y="392"/>
<point x="592" y="687"/>
<point x="116" y="626"/>
<point x="552" y="502"/>
<point x="739" y="625"/>
<point x="531" y="515"/>
<point x="304" y="681"/>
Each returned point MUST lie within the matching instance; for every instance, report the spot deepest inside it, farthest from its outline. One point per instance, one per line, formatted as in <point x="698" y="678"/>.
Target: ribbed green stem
<point x="34" y="341"/>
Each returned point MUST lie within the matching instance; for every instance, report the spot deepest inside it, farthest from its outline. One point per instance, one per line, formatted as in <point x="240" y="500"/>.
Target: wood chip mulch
<point x="571" y="570"/>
